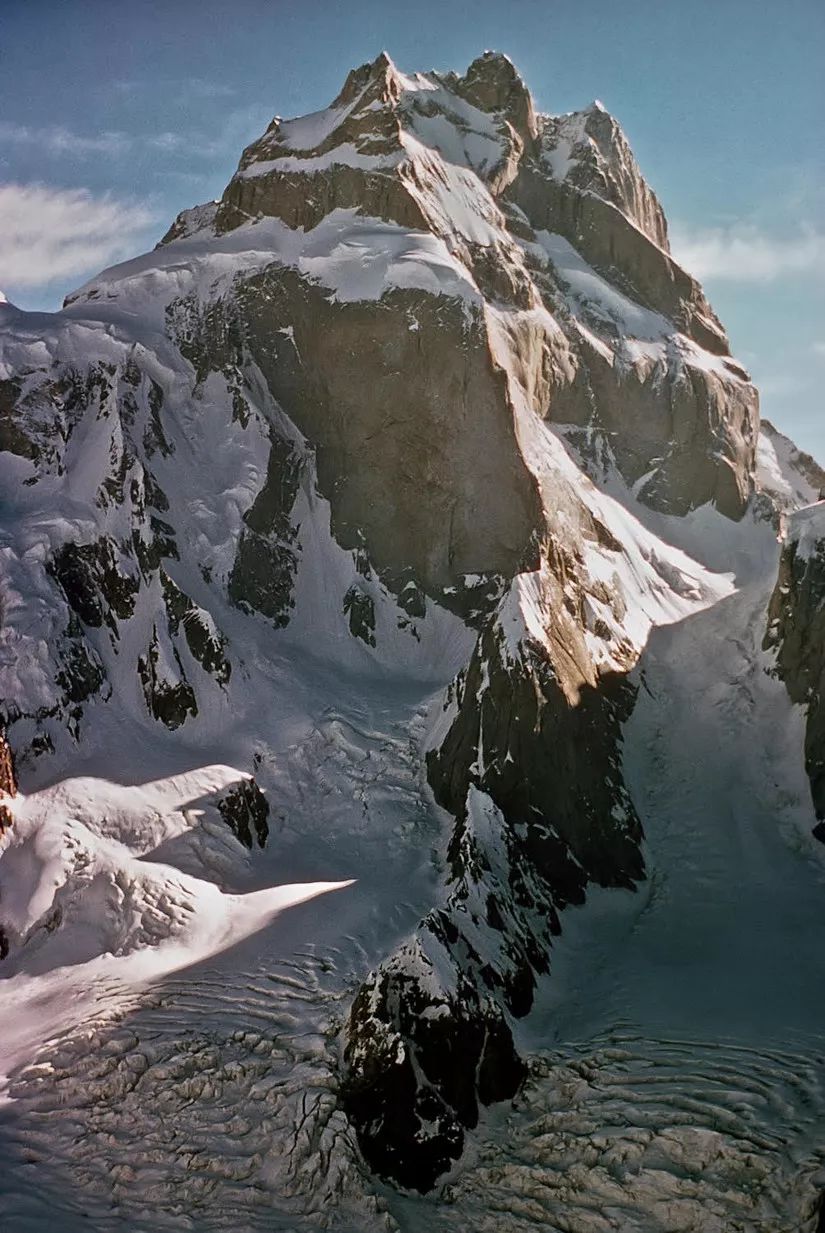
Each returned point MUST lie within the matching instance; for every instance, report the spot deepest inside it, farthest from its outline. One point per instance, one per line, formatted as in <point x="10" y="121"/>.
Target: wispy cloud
<point x="818" y="349"/>
<point x="182" y="88"/>
<point x="59" y="140"/>
<point x="237" y="125"/>
<point x="198" y="87"/>
<point x="780" y="385"/>
<point x="51" y="233"/>
<point x="742" y="252"/>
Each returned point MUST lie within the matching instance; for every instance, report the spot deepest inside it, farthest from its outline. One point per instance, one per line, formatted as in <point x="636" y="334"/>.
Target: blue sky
<point x="115" y="115"/>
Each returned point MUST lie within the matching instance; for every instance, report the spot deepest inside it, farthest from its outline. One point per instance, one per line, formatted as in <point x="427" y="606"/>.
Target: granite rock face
<point x="426" y="473"/>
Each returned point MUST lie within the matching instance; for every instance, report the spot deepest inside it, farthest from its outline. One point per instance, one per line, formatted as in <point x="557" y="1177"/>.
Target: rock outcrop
<point x="8" y="782"/>
<point x="796" y="632"/>
<point x="245" y="809"/>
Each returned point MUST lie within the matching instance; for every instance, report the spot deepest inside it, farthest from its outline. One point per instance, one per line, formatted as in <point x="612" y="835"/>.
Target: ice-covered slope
<point x="331" y="534"/>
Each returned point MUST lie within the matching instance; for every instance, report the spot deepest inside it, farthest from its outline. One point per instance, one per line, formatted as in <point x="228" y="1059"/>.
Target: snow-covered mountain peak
<point x="482" y="120"/>
<point x="493" y="83"/>
<point x="338" y="535"/>
<point x="588" y="148"/>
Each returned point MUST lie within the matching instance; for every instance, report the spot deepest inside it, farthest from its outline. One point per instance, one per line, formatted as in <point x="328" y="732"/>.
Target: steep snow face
<point x="353" y="258"/>
<point x="377" y="479"/>
<point x="806" y="530"/>
<point x="788" y="476"/>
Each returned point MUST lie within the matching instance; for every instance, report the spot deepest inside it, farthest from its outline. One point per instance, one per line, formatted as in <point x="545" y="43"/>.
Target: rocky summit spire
<point x="380" y="71"/>
<point x="492" y="83"/>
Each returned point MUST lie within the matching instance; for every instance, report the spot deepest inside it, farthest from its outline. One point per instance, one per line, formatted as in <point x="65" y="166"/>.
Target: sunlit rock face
<point x="8" y="782"/>
<point x="334" y="455"/>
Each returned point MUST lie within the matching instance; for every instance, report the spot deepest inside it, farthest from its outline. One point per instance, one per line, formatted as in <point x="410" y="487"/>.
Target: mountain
<point x="402" y="527"/>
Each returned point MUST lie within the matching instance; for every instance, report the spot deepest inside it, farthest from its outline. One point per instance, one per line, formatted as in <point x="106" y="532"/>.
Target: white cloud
<point x="51" y="233"/>
<point x="743" y="253"/>
<point x="818" y="349"/>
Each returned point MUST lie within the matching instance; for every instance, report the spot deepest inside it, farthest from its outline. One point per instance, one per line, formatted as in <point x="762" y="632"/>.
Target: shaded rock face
<point x="263" y="575"/>
<point x="796" y="632"/>
<point x="169" y="696"/>
<point x="360" y="610"/>
<point x="517" y="738"/>
<point x="94" y="587"/>
<point x="245" y="810"/>
<point x="206" y="643"/>
<point x="530" y="767"/>
<point x="424" y="472"/>
<point x="419" y="1067"/>
<point x="13" y="437"/>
